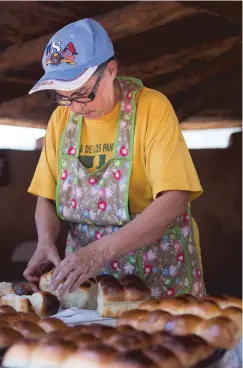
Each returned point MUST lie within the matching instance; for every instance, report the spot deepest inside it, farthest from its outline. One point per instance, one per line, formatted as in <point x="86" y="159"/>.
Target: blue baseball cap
<point x="73" y="54"/>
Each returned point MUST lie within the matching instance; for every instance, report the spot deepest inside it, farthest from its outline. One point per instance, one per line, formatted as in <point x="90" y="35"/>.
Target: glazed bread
<point x="28" y="329"/>
<point x="19" y="303"/>
<point x="117" y="296"/>
<point x="145" y="321"/>
<point x="19" y="354"/>
<point x="220" y="332"/>
<point x="8" y="336"/>
<point x="6" y="288"/>
<point x="51" y="324"/>
<point x="25" y="288"/>
<point x="225" y="301"/>
<point x="85" y="297"/>
<point x="42" y="303"/>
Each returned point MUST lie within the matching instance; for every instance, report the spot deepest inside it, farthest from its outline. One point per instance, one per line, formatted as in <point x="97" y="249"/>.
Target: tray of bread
<point x="173" y="332"/>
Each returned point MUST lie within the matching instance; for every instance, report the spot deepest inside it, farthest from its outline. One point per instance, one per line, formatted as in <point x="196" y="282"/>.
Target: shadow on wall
<point x="217" y="212"/>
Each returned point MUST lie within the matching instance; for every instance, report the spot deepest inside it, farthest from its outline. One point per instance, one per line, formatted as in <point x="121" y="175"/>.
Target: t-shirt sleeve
<point x="45" y="177"/>
<point x="169" y="164"/>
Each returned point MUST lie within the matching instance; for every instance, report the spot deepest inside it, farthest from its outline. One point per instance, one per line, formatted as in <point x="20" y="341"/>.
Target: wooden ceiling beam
<point x="120" y="23"/>
<point x="230" y="10"/>
<point x="170" y="63"/>
<point x="174" y="61"/>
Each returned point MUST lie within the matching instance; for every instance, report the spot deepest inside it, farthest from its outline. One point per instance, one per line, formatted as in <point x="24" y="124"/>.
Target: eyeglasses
<point x="67" y="101"/>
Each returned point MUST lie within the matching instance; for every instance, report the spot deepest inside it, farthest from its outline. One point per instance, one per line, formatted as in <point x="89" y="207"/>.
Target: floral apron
<point x="96" y="204"/>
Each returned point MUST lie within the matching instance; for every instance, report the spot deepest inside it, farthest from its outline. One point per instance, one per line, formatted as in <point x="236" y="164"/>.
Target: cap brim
<point x="63" y="81"/>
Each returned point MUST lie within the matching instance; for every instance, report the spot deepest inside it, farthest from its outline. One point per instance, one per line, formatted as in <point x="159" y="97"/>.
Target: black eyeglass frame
<point x="67" y="101"/>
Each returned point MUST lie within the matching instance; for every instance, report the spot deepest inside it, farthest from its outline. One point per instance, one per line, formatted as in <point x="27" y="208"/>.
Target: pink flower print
<point x="123" y="151"/>
<point x="186" y="217"/>
<point x="178" y="247"/>
<point x="198" y="272"/>
<point x="170" y="292"/>
<point x="180" y="257"/>
<point x="115" y="265"/>
<point x="92" y="181"/>
<point x="117" y="175"/>
<point x="128" y="108"/>
<point x="98" y="235"/>
<point x="129" y="95"/>
<point x="148" y="269"/>
<point x="102" y="205"/>
<point x="102" y="193"/>
<point x="74" y="203"/>
<point x="64" y="175"/>
<point x="72" y="151"/>
<point x="145" y="257"/>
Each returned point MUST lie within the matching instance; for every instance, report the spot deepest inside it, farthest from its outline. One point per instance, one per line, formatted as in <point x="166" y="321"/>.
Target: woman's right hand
<point x="44" y="255"/>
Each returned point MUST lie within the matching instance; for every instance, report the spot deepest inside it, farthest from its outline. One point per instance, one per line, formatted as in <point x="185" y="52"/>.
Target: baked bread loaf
<point x="28" y="329"/>
<point x="85" y="297"/>
<point x="6" y="288"/>
<point x="25" y="288"/>
<point x="42" y="303"/>
<point x="7" y="309"/>
<point x="116" y="296"/>
<point x="8" y="336"/>
<point x="220" y="332"/>
<point x="144" y="320"/>
<point x="18" y="355"/>
<point x="19" y="303"/>
<point x="51" y="324"/>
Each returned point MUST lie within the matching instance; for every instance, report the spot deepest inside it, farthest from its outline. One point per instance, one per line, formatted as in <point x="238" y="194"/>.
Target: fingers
<point x="72" y="277"/>
<point x="61" y="272"/>
<point x="30" y="274"/>
<point x="78" y="282"/>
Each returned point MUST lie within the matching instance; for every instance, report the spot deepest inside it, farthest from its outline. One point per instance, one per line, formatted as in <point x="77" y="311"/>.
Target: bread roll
<point x="26" y="288"/>
<point x="116" y="297"/>
<point x="19" y="303"/>
<point x="91" y="357"/>
<point x="235" y="314"/>
<point x="132" y="359"/>
<point x="225" y="301"/>
<point x="85" y="297"/>
<point x="132" y="340"/>
<point x="163" y="357"/>
<point x="8" y="336"/>
<point x="204" y="309"/>
<point x="10" y="318"/>
<point x="220" y="332"/>
<point x="188" y="349"/>
<point x="150" y="305"/>
<point x="7" y="309"/>
<point x="145" y="321"/>
<point x="29" y="317"/>
<point x="18" y="355"/>
<point x="29" y="329"/>
<point x="51" y="324"/>
<point x="44" y="303"/>
<point x="85" y="340"/>
<point x="6" y="288"/>
<point x="135" y="288"/>
<point x="51" y="354"/>
<point x="183" y="324"/>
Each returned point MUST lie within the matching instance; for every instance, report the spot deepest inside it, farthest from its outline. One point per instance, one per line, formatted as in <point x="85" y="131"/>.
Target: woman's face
<point x="104" y="98"/>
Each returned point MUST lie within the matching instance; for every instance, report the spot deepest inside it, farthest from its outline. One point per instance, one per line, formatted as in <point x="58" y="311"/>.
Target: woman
<point x="116" y="164"/>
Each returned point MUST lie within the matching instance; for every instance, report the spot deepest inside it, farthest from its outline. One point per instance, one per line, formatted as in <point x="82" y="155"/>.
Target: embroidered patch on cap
<point x="55" y="55"/>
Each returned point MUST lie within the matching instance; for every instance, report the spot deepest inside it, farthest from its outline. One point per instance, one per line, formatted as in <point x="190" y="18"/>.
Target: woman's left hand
<point x="78" y="267"/>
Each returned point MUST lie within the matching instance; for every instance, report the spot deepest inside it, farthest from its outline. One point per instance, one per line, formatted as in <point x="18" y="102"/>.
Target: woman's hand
<point x="44" y="255"/>
<point x="78" y="267"/>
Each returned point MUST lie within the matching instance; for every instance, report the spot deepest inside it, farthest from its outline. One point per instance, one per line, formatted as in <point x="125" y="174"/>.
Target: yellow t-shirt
<point x="161" y="160"/>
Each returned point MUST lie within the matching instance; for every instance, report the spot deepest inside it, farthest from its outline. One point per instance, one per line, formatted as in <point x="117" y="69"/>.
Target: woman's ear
<point x="112" y="68"/>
